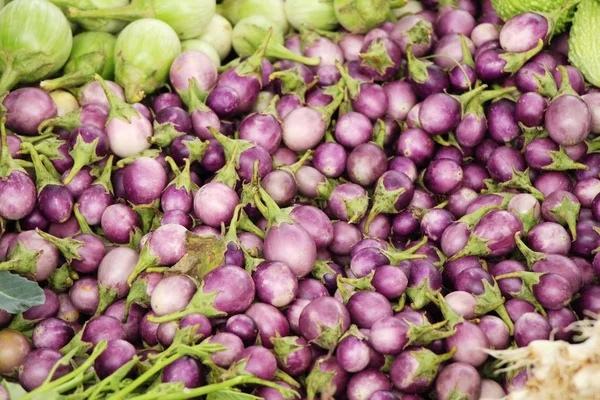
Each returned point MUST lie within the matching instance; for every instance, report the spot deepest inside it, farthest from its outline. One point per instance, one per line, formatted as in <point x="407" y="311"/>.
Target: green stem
<point x="69" y="80"/>
<point x="156" y="368"/>
<point x="204" y="390"/>
<point x="100" y="347"/>
<point x="75" y="382"/>
<point x="10" y="77"/>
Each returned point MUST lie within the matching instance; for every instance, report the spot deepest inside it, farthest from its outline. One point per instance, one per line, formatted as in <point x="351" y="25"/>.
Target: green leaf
<point x="507" y="9"/>
<point x="18" y="294"/>
<point x="584" y="44"/>
<point x="203" y="254"/>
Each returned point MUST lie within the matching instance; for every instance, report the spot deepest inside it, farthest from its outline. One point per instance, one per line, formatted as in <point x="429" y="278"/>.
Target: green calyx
<point x="567" y="214"/>
<point x="396" y="256"/>
<point x="384" y="201"/>
<point x="492" y="300"/>
<point x="420" y="33"/>
<point x="514" y="61"/>
<point x="520" y="181"/>
<point x="83" y="154"/>
<point x="565" y="85"/>
<point x="321" y="269"/>
<point x="360" y="284"/>
<point x="377" y="57"/>
<point x="450" y="316"/>
<point x="530" y="256"/>
<point x="472" y="219"/>
<point x="252" y="66"/>
<point x="68" y="247"/>
<point x="201" y="303"/>
<point x="138" y="294"/>
<point x="417" y="68"/>
<point x="250" y="189"/>
<point x="118" y="108"/>
<point x="42" y="176"/>
<point x="149" y="214"/>
<point x="546" y="84"/>
<point x="360" y="16"/>
<point x="319" y="381"/>
<point x="68" y="121"/>
<point x="324" y="189"/>
<point x="251" y="261"/>
<point x="104" y="178"/>
<point x="356" y="208"/>
<point x="420" y="295"/>
<point x="336" y="91"/>
<point x="107" y="295"/>
<point x="270" y="210"/>
<point x="429" y="362"/>
<point x="351" y="84"/>
<point x="197" y="149"/>
<point x="183" y="178"/>
<point x="467" y="58"/>
<point x="228" y="173"/>
<point x="84" y="227"/>
<point x="475" y="246"/>
<point x="379" y="133"/>
<point x="530" y="133"/>
<point x="231" y="145"/>
<point x="475" y="106"/>
<point x="231" y="235"/>
<point x="293" y="83"/>
<point x="529" y="219"/>
<point x="145" y="261"/>
<point x="293" y="169"/>
<point x="423" y="335"/>
<point x="194" y="97"/>
<point x="46" y="145"/>
<point x="62" y="278"/>
<point x="149" y="153"/>
<point x="562" y="162"/>
<point x="20" y="324"/>
<point x="284" y="346"/>
<point x="164" y="134"/>
<point x="7" y="164"/>
<point x="354" y="332"/>
<point x="528" y="281"/>
<point x="345" y="290"/>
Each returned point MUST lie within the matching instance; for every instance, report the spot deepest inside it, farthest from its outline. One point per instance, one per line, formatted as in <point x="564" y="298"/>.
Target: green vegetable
<point x="145" y="50"/>
<point x="18" y="294"/>
<point x="92" y="53"/>
<point x="31" y="47"/>
<point x="188" y="18"/>
<point x="584" y="43"/>
<point x="311" y="14"/>
<point x="237" y="10"/>
<point x="360" y="16"/>
<point x="218" y="35"/>
<point x="95" y="24"/>
<point x="507" y="9"/>
<point x="250" y="32"/>
<point x="202" y="46"/>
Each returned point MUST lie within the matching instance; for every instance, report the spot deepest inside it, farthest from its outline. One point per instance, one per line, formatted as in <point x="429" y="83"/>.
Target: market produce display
<point x="299" y="199"/>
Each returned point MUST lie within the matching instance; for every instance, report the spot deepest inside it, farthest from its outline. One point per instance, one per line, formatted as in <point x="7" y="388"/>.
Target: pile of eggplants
<point x="337" y="215"/>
